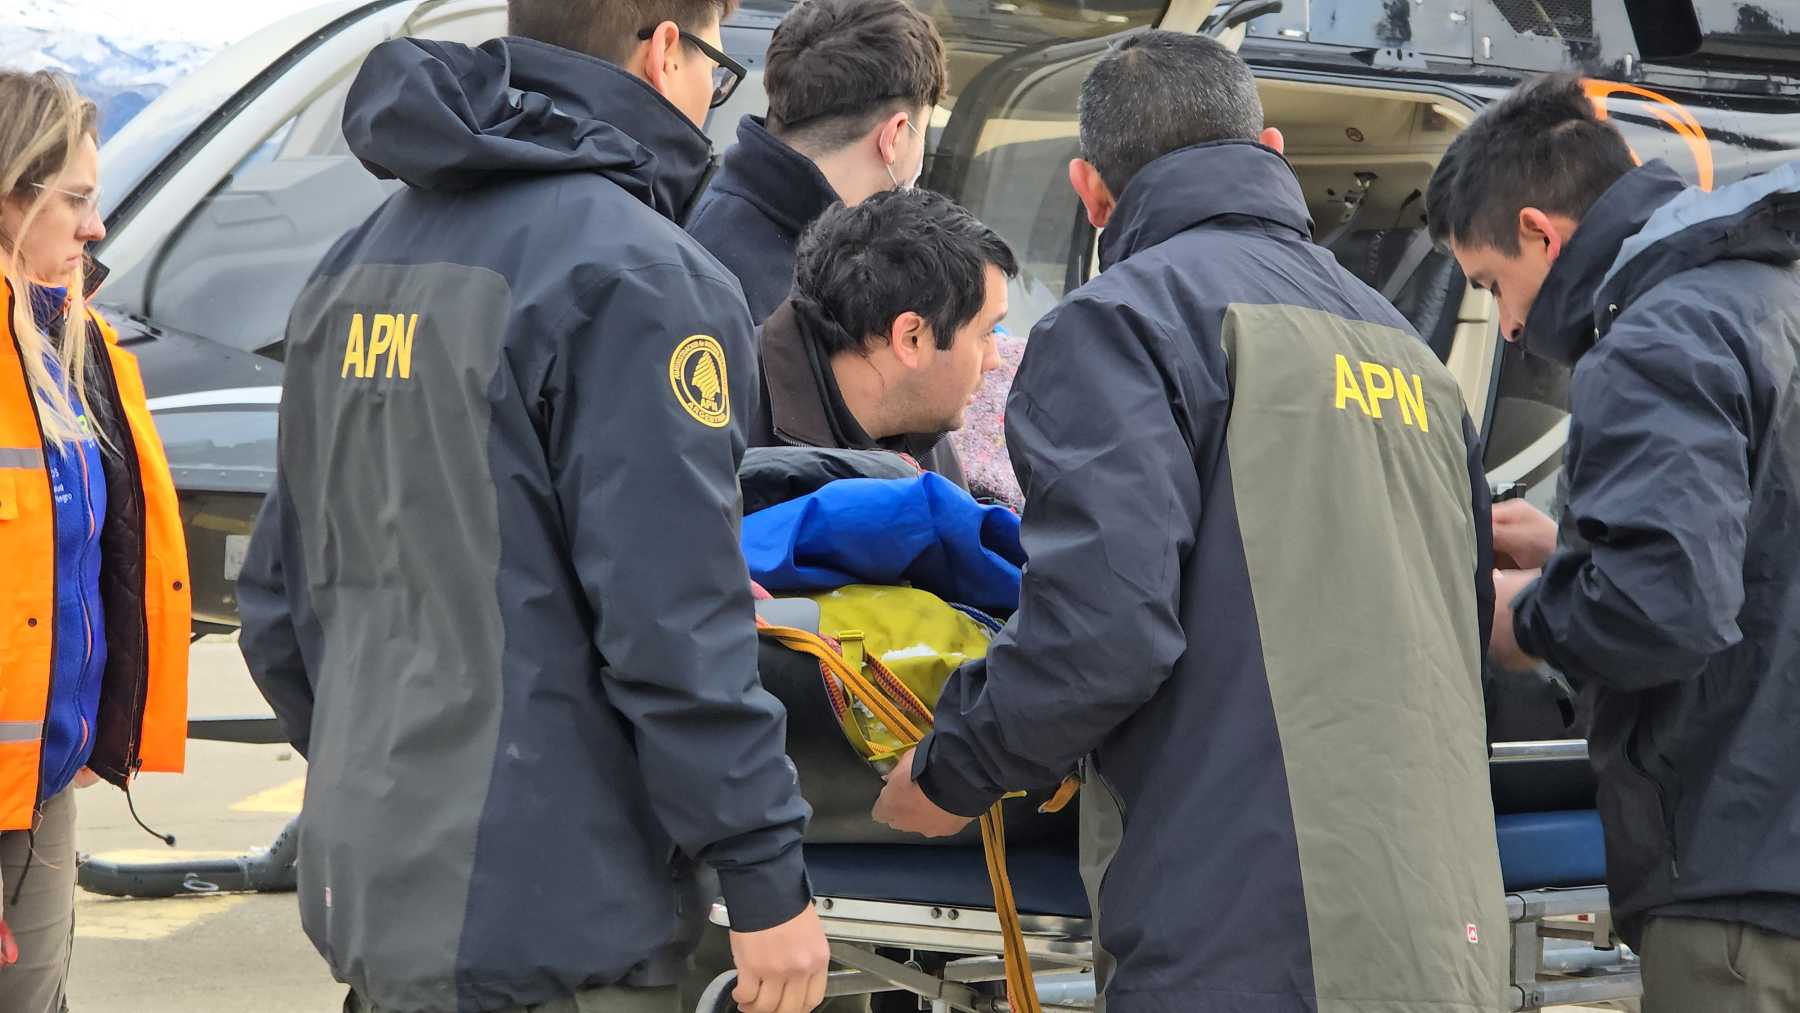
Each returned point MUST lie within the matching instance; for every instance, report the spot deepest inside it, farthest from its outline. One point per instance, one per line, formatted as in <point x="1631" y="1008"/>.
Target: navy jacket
<point x="1674" y="596"/>
<point x="1256" y="584"/>
<point x="497" y="596"/>
<point x="751" y="217"/>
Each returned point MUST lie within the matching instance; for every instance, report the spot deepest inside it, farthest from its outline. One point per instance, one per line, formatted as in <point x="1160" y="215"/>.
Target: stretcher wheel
<point x="717" y="997"/>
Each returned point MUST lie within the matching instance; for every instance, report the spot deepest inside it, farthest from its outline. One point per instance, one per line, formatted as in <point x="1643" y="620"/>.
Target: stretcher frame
<point x="1061" y="951"/>
<point x="1564" y="950"/>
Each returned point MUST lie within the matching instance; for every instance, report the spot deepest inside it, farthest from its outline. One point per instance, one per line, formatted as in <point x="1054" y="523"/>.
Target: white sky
<point x="207" y="22"/>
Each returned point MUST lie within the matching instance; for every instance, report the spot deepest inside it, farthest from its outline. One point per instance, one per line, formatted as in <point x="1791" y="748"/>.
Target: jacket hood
<point x="777" y="180"/>
<point x="441" y="116"/>
<point x="1649" y="227"/>
<point x="1194" y="185"/>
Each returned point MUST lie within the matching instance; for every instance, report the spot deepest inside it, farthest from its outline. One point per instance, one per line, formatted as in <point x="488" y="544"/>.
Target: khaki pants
<point x="1697" y="966"/>
<point x="1101" y="828"/>
<point x="599" y="1000"/>
<point x="43" y="918"/>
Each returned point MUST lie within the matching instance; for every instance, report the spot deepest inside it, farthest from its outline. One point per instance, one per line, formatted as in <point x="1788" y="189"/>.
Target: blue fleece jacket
<point x="78" y="657"/>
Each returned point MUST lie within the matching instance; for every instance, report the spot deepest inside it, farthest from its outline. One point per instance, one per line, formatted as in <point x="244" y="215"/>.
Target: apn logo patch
<point x="1380" y="383"/>
<point x="389" y="343"/>
<point x="697" y="375"/>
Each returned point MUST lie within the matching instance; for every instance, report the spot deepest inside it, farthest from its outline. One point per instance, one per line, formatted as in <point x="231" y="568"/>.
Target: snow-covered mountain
<point x="118" y="53"/>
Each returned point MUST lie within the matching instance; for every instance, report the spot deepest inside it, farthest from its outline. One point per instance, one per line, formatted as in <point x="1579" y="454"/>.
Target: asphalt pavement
<point x="237" y="953"/>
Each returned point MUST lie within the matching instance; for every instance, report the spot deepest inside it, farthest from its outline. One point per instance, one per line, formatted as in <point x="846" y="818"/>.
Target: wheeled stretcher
<point x="929" y="912"/>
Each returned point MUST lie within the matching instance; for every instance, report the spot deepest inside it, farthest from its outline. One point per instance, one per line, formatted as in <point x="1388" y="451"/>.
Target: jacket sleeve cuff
<point x="935" y="772"/>
<point x="767" y="894"/>
<point x="1530" y="631"/>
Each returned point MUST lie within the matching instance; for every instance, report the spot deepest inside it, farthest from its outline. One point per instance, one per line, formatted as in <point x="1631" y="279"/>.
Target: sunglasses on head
<point x="727" y="73"/>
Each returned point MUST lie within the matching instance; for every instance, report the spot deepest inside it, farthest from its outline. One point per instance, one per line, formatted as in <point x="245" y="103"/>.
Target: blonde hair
<point x="43" y="120"/>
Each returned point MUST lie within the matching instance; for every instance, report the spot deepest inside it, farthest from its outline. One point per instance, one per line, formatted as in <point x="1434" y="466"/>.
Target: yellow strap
<point x="1065" y="793"/>
<point x="1021" y="989"/>
<point x="850" y="644"/>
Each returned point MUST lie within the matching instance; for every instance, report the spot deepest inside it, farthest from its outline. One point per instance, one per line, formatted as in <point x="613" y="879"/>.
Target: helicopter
<point x="225" y="193"/>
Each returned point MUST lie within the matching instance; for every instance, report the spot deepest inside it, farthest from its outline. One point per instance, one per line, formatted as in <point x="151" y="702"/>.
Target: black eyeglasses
<point x="727" y="73"/>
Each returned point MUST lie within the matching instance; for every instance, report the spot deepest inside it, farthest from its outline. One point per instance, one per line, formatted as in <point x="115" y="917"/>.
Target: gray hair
<point x="1158" y="92"/>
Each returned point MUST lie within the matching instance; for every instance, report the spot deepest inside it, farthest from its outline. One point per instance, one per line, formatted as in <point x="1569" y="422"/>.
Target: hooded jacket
<point x="497" y="596"/>
<point x="1256" y="588"/>
<point x="1674" y="596"/>
<point x="752" y="215"/>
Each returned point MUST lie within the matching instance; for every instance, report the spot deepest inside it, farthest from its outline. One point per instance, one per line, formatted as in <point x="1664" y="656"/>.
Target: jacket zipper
<point x="87" y="619"/>
<point x="127" y="446"/>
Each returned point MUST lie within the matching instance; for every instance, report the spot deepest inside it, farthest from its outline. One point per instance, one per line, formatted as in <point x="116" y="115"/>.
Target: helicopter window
<point x="234" y="267"/>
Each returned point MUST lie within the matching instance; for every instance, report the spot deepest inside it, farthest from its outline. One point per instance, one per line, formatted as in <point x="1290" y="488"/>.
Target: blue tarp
<point x="921" y="531"/>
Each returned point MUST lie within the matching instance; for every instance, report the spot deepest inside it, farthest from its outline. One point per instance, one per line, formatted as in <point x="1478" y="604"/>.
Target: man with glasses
<point x="851" y="86"/>
<point x="496" y="596"/>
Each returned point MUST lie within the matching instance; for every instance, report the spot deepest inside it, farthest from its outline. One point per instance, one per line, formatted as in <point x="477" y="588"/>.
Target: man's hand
<point x="9" y="947"/>
<point x="1524" y="536"/>
<point x="904" y="807"/>
<point x="1503" y="645"/>
<point x="85" y="778"/>
<point x="782" y="970"/>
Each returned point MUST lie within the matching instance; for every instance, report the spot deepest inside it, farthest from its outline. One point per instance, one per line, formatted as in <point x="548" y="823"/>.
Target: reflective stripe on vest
<point x="21" y="731"/>
<point x="22" y="457"/>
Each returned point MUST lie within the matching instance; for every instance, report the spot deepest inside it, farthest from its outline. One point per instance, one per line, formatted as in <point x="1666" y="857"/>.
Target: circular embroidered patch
<point x="697" y="374"/>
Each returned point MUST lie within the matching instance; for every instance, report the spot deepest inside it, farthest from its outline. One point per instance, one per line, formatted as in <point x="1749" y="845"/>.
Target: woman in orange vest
<point x="93" y="571"/>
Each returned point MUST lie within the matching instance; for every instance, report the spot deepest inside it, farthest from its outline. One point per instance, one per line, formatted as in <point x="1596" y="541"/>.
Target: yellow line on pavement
<point x="147" y="920"/>
<point x="137" y="920"/>
<point x="284" y="799"/>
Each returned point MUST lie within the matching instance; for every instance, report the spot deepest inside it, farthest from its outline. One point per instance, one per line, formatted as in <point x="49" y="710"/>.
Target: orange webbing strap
<point x="1021" y="990"/>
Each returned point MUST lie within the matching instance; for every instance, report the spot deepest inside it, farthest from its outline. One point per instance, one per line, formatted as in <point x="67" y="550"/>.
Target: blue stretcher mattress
<point x="1537" y="851"/>
<point x="1046" y="880"/>
<point x="1541" y="850"/>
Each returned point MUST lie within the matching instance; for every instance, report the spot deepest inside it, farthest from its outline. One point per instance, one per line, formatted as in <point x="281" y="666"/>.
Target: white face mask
<point x="921" y="170"/>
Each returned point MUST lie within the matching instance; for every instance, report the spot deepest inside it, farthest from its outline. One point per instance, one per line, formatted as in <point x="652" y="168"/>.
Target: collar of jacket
<point x="1563" y="322"/>
<point x="1193" y="186"/>
<point x="1753" y="219"/>
<point x="777" y="180"/>
<point x="48" y="305"/>
<point x="441" y="116"/>
<point x="805" y="405"/>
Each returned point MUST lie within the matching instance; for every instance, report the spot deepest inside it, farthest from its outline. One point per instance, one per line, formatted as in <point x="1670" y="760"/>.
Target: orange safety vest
<point x="142" y="723"/>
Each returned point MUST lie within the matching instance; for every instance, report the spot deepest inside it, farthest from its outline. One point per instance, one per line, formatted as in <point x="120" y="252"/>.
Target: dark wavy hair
<point x="835" y="67"/>
<point x="1542" y="146"/>
<point x="859" y="268"/>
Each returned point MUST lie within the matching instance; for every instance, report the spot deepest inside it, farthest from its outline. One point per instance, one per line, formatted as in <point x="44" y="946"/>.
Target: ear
<point x="1093" y="191"/>
<point x="1271" y="138"/>
<point x="908" y="339"/>
<point x="887" y="137"/>
<point x="1538" y="230"/>
<point x="658" y="58"/>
